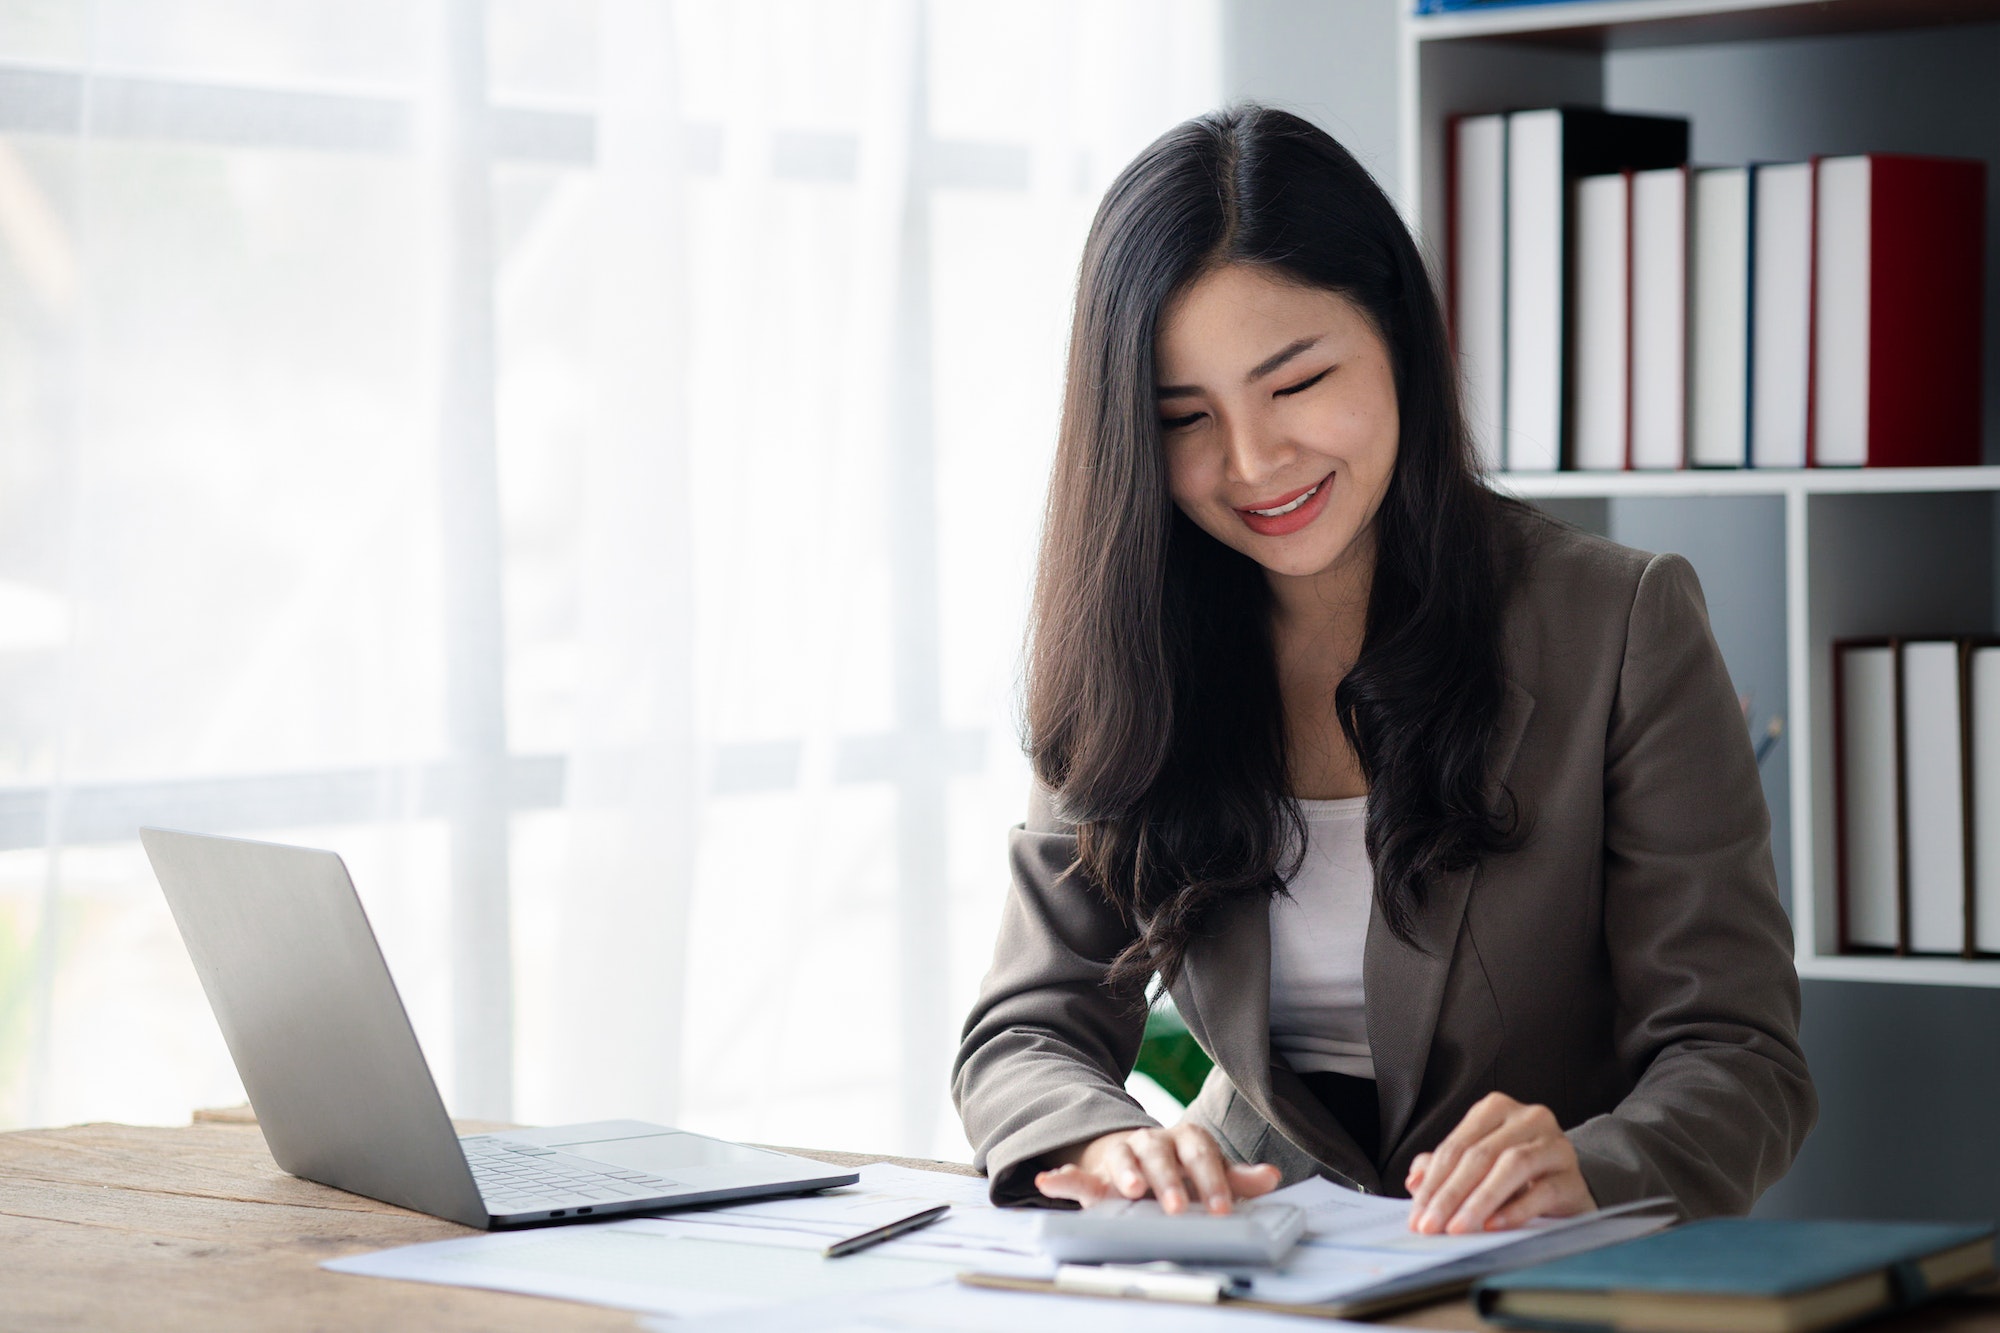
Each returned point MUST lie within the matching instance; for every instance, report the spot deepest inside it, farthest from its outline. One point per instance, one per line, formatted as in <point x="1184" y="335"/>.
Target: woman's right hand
<point x="1175" y="1165"/>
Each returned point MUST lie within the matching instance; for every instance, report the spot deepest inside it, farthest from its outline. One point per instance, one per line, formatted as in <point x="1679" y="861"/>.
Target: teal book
<point x="1742" y="1275"/>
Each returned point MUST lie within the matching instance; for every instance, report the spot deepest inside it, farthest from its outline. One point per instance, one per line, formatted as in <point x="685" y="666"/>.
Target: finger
<point x="1449" y="1189"/>
<point x="1560" y="1194"/>
<point x="1250" y="1181"/>
<point x="1431" y="1210"/>
<point x="1202" y="1161"/>
<point x="1162" y="1166"/>
<point x="1513" y="1170"/>
<point x="1073" y="1183"/>
<point x="1415" y="1176"/>
<point x="1487" y="1114"/>
<point x="1118" y="1169"/>
<point x="1523" y="1207"/>
<point x="1538" y="1200"/>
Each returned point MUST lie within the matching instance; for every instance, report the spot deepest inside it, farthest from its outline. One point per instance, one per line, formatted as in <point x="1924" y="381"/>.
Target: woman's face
<point x="1278" y="409"/>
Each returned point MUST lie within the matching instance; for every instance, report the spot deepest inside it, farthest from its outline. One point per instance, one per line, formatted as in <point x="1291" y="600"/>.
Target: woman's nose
<point x="1255" y="455"/>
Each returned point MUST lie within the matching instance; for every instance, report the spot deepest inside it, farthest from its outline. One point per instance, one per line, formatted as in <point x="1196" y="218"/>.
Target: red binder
<point x="1898" y="284"/>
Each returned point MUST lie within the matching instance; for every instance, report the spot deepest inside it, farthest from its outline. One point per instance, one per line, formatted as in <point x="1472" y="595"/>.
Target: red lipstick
<point x="1279" y="525"/>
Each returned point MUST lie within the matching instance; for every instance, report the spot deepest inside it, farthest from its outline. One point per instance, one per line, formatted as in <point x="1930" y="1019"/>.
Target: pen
<point x="882" y="1233"/>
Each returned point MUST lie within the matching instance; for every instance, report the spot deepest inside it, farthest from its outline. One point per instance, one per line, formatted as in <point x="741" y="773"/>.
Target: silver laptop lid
<point x="313" y="1020"/>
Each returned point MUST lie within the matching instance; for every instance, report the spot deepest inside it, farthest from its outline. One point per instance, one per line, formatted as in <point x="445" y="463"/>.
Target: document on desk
<point x="1357" y="1246"/>
<point x="959" y="1309"/>
<point x="715" y="1260"/>
<point x="1362" y="1243"/>
<point x="758" y="1266"/>
<point x="974" y="1232"/>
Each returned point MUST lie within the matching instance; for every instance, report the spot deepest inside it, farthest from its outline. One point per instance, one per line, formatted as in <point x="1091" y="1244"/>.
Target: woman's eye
<point x="1302" y="385"/>
<point x="1181" y="423"/>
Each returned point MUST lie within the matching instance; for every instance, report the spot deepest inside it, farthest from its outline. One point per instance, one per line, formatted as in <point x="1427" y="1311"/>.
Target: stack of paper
<point x="1360" y="1246"/>
<point x="757" y="1267"/>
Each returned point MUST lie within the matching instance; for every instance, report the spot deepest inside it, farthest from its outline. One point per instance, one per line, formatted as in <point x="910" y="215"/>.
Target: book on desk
<point x="1744" y="1275"/>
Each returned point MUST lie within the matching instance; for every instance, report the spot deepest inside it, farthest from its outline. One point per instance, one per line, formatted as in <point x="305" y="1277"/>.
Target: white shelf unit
<point x="1864" y="551"/>
<point x="1888" y="551"/>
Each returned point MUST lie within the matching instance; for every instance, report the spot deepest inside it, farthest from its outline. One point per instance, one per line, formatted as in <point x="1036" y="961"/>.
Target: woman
<point x="1438" y="819"/>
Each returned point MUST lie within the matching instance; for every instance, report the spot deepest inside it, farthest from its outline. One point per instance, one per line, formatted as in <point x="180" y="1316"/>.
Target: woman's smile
<point x="1288" y="513"/>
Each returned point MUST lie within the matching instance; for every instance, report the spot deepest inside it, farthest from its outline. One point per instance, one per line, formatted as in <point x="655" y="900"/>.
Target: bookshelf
<point x="1628" y="24"/>
<point x="1839" y="552"/>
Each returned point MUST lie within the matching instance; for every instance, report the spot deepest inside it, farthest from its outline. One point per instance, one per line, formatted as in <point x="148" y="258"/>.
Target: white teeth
<point x="1286" y="509"/>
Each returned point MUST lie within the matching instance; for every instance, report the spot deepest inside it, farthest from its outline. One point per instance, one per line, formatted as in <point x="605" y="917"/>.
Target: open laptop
<point x="339" y="1083"/>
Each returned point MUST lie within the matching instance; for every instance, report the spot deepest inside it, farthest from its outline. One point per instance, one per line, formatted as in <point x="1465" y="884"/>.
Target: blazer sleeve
<point x="1700" y="948"/>
<point x="1044" y="1055"/>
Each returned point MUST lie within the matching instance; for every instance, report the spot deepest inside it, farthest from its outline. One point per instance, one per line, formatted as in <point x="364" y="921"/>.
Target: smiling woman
<point x="1308" y="428"/>
<point x="1437" y="819"/>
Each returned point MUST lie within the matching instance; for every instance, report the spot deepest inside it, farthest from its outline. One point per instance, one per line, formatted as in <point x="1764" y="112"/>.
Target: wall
<point x="1908" y="1086"/>
<point x="1331" y="61"/>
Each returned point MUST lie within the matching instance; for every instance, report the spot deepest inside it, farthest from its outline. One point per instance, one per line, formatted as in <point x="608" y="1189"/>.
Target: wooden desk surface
<point x="106" y="1227"/>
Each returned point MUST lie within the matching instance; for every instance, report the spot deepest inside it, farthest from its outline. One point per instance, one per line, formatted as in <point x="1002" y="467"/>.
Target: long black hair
<point x="1153" y="710"/>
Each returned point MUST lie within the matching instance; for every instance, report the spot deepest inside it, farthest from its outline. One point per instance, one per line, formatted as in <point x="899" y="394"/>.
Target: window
<point x="582" y="463"/>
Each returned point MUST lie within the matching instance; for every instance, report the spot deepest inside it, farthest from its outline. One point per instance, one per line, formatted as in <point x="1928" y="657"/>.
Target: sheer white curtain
<point x="581" y="462"/>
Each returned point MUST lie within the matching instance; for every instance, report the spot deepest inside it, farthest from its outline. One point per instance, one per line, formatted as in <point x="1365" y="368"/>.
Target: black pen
<point x="889" y="1232"/>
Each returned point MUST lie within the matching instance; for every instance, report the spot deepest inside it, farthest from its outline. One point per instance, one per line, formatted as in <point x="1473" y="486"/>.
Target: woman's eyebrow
<point x="1257" y="372"/>
<point x="1279" y="358"/>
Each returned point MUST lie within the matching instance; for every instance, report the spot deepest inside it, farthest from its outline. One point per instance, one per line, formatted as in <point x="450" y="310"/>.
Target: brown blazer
<point x="1628" y="965"/>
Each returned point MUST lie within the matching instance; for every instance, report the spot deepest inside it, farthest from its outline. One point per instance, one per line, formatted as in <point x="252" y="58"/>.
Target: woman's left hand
<point x="1505" y="1164"/>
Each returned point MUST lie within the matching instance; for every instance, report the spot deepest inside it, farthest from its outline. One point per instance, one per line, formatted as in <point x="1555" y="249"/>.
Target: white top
<point x="1318" y="1018"/>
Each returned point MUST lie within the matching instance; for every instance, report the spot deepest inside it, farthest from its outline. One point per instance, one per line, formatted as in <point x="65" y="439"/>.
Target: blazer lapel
<point x="1225" y="998"/>
<point x="1405" y="985"/>
<point x="1225" y="994"/>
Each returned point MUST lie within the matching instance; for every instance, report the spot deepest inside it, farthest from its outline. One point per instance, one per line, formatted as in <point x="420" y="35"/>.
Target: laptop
<point x="340" y="1086"/>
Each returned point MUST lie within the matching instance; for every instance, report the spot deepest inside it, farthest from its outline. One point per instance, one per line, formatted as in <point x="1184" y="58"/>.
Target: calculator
<point x="1137" y="1231"/>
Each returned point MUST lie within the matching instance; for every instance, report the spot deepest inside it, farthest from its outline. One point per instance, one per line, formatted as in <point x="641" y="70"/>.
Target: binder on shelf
<point x="1659" y="328"/>
<point x="1547" y="150"/>
<point x="1477" y="216"/>
<point x="1719" y="317"/>
<point x="1899" y="281"/>
<point x="1982" y="674"/>
<point x="1931" y="720"/>
<point x="1600" y="398"/>
<point x="1781" y="237"/>
<point x="1867" y="792"/>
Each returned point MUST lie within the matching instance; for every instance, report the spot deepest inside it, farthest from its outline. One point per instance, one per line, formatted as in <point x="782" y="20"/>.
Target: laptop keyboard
<point x="519" y="1177"/>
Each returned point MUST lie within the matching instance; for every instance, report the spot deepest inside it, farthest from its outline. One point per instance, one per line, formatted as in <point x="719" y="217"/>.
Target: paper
<point x="962" y="1309"/>
<point x="974" y="1232"/>
<point x="625" y="1264"/>
<point x="763" y="1260"/>
<point x="1357" y="1241"/>
<point x="747" y="1255"/>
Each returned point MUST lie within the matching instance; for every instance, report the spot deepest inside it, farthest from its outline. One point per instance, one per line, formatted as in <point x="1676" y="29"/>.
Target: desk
<point x="123" y="1227"/>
